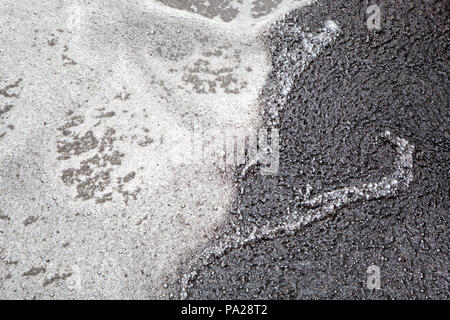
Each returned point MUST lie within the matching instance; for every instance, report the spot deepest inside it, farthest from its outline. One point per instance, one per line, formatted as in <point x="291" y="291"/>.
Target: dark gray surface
<point x="366" y="82"/>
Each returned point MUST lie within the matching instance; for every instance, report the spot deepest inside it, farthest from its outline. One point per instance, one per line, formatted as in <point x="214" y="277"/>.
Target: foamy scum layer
<point x="288" y="66"/>
<point x="98" y="103"/>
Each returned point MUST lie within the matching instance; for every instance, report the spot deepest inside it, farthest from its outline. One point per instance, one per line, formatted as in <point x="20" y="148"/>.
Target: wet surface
<point x="101" y="195"/>
<point x="365" y="82"/>
<point x="98" y="103"/>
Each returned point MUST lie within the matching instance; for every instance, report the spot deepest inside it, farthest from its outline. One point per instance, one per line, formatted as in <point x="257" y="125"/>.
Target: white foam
<point x="116" y="56"/>
<point x="318" y="207"/>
